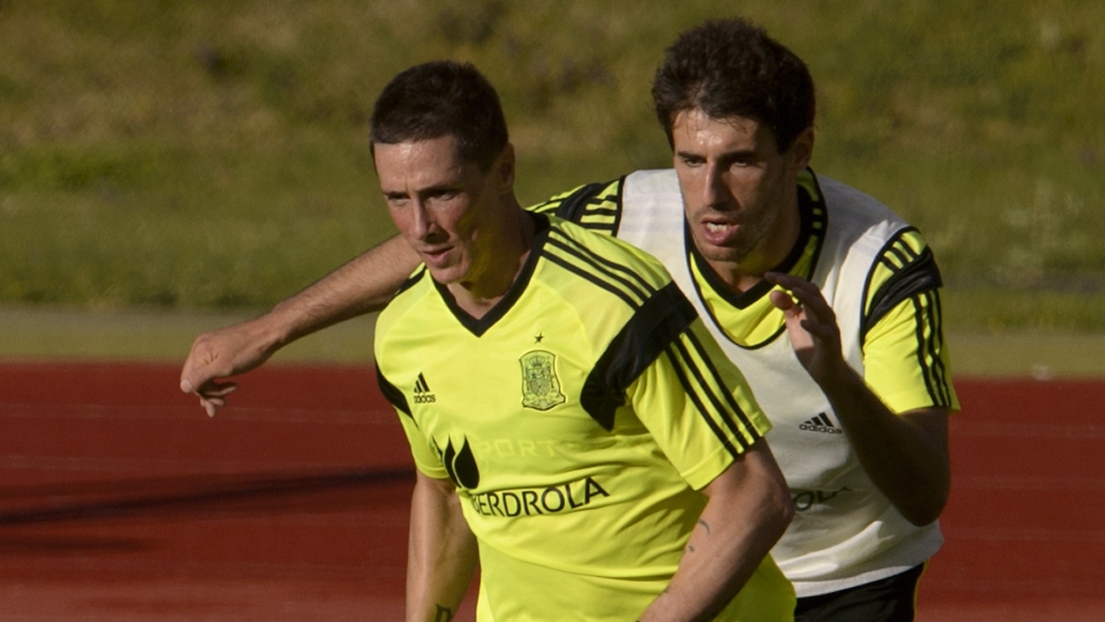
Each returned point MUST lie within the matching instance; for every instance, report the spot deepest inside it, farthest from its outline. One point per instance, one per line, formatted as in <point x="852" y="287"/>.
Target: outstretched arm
<point x="748" y="510"/>
<point x="442" y="555"/>
<point x="905" y="455"/>
<point x="363" y="285"/>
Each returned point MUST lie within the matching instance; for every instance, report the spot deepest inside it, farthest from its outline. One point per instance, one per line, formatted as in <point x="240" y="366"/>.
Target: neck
<point x="509" y="249"/>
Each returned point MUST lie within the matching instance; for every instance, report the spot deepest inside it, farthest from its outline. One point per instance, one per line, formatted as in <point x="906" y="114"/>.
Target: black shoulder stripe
<point x="622" y="281"/>
<point x="393" y="394"/>
<point x="617" y="270"/>
<point x="594" y="278"/>
<point x="901" y="252"/>
<point x="572" y="206"/>
<point x="658" y="322"/>
<point x="595" y="206"/>
<point x="918" y="275"/>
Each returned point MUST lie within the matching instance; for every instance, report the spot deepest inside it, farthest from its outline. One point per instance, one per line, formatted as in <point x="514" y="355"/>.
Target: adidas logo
<point x="821" y="423"/>
<point x="422" y="394"/>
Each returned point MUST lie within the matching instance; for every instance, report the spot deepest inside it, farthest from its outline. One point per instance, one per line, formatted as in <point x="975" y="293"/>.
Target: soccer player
<point x="563" y="401"/>
<point x="827" y="301"/>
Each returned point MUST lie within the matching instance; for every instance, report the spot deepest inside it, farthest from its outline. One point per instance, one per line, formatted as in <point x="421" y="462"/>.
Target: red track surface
<point x="122" y="501"/>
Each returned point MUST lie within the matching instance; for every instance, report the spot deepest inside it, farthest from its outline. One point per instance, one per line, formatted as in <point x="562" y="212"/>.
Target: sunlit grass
<point x="212" y="155"/>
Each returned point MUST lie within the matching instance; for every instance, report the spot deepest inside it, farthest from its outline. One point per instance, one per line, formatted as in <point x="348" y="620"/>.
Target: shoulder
<point x="580" y="249"/>
<point x="848" y="206"/>
<point x="410" y="293"/>
<point x="594" y="206"/>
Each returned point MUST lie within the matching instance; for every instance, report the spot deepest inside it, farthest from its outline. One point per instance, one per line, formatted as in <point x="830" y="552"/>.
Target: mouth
<point x="719" y="232"/>
<point x="434" y="256"/>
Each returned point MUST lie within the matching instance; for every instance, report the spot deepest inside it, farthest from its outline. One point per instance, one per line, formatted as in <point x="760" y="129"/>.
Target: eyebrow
<point x="727" y="156"/>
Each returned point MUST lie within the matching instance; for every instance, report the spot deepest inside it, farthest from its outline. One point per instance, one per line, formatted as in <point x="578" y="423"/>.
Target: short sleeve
<point x="697" y="406"/>
<point x="905" y="357"/>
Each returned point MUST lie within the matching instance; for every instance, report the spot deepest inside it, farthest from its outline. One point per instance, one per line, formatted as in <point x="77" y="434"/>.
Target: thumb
<point x="192" y="377"/>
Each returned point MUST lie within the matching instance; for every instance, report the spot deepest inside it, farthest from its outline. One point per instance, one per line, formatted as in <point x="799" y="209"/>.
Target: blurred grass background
<point x="210" y="156"/>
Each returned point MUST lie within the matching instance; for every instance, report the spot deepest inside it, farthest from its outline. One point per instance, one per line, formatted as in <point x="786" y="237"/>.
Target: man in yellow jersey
<point x="826" y="300"/>
<point x="576" y="466"/>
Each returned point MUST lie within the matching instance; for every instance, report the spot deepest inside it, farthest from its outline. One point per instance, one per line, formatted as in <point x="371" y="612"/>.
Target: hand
<point x="811" y="324"/>
<point x="222" y="353"/>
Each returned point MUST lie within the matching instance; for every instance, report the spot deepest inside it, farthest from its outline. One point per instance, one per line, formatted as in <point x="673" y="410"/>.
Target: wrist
<point x="274" y="330"/>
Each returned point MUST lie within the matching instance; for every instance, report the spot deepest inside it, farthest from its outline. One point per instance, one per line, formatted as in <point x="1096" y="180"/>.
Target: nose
<point x="714" y="190"/>
<point x="422" y="225"/>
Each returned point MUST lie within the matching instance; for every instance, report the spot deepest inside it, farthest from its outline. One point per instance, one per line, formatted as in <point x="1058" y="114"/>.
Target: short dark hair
<point x="442" y="98"/>
<point x="731" y="68"/>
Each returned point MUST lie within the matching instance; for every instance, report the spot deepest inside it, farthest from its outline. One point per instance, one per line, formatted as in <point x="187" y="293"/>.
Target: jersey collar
<point x="479" y="326"/>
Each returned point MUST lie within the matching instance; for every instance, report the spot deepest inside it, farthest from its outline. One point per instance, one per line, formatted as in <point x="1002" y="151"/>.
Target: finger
<point x="187" y="385"/>
<point x="197" y="371"/>
<point x="819" y="330"/>
<point x="213" y="390"/>
<point x="814" y="303"/>
<point x="801" y="290"/>
<point x="212" y="404"/>
<point x="782" y="300"/>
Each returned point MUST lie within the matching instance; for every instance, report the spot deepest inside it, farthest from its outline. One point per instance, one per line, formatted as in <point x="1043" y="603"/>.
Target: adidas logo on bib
<point x="821" y="423"/>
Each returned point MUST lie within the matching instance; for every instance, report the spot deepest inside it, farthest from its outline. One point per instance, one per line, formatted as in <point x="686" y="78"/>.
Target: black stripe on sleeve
<point x="659" y="321"/>
<point x="680" y="371"/>
<point x="393" y="394"/>
<point x="943" y="374"/>
<point x="919" y="275"/>
<point x="929" y="340"/>
<point x="712" y="390"/>
<point x="718" y="384"/>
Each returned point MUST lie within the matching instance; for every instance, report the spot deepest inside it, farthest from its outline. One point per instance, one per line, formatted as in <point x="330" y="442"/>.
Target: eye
<point x="691" y="160"/>
<point x="396" y="201"/>
<point x="741" y="160"/>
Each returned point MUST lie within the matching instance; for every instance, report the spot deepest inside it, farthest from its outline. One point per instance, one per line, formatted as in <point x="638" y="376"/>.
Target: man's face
<point x="440" y="205"/>
<point x="738" y="190"/>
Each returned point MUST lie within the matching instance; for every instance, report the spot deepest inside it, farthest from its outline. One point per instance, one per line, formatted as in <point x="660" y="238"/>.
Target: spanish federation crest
<point x="540" y="386"/>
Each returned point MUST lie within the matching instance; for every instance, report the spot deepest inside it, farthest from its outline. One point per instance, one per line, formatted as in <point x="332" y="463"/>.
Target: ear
<point x="801" y="151"/>
<point x="505" y="168"/>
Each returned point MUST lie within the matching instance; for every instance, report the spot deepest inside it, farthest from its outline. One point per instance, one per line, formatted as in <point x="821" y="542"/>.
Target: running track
<point x="121" y="501"/>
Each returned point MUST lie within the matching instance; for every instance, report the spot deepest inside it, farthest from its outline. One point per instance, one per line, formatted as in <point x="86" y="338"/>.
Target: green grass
<point x="210" y="156"/>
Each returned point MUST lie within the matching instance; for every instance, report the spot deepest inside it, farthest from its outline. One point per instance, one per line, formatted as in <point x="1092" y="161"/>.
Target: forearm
<point x="363" y="285"/>
<point x="745" y="517"/>
<point x="905" y="455"/>
<point x="442" y="555"/>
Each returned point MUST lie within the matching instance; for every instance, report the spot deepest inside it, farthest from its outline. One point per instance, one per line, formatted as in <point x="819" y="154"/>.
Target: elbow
<point x="785" y="510"/>
<point x="782" y="510"/>
<point x="922" y="514"/>
<point x="926" y="506"/>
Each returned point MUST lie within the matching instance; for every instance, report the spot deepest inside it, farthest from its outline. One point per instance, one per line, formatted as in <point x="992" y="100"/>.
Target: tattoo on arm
<point x="706" y="526"/>
<point x="444" y="614"/>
